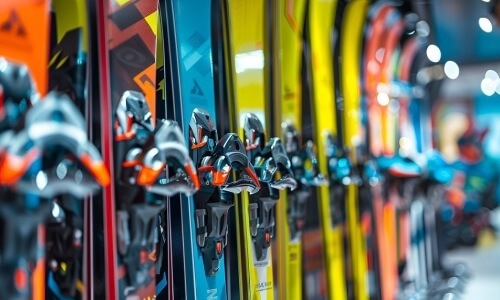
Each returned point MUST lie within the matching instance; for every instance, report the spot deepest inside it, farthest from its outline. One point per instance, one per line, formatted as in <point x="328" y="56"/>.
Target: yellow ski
<point x="351" y="51"/>
<point x="291" y="214"/>
<point x="321" y="19"/>
<point x="249" y="50"/>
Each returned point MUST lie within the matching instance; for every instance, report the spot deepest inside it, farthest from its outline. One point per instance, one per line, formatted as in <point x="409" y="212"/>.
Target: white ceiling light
<point x="433" y="53"/>
<point x="422" y="28"/>
<point x="491" y="75"/>
<point x="451" y="69"/>
<point x="488" y="86"/>
<point x="486" y="0"/>
<point x="383" y="99"/>
<point x="485" y="24"/>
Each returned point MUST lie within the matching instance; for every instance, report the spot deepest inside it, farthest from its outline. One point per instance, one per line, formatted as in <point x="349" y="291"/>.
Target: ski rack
<point x="269" y="159"/>
<point x="306" y="172"/>
<point x="144" y="155"/>
<point x="216" y="160"/>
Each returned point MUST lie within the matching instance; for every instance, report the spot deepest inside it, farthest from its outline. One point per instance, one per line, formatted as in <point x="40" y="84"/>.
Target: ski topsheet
<point x="320" y="22"/>
<point x="192" y="87"/>
<point x="136" y="147"/>
<point x="290" y="112"/>
<point x="250" y="94"/>
<point x="66" y="263"/>
<point x="350" y="52"/>
<point x="251" y="82"/>
<point x="48" y="160"/>
<point x="288" y="247"/>
<point x="417" y="219"/>
<point x="199" y="224"/>
<point x="246" y="33"/>
<point x="149" y="156"/>
<point x="384" y="211"/>
<point x="24" y="40"/>
<point x="394" y="26"/>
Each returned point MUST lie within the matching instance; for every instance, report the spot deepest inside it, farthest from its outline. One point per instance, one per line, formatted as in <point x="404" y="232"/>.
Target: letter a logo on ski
<point x="196" y="90"/>
<point x="13" y="24"/>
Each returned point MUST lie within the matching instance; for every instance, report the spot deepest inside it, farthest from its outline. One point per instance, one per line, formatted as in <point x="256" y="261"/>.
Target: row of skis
<point x="120" y="177"/>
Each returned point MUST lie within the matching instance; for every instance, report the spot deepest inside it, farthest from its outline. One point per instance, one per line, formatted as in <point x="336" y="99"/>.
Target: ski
<point x="23" y="272"/>
<point x="411" y="263"/>
<point x="319" y="24"/>
<point x="47" y="159"/>
<point x="345" y="174"/>
<point x="291" y="111"/>
<point x="358" y="224"/>
<point x="147" y="156"/>
<point x="200" y="224"/>
<point x="22" y="41"/>
<point x="67" y="235"/>
<point x="163" y="259"/>
<point x="23" y="213"/>
<point x="249" y="51"/>
<point x="57" y="160"/>
<point x="384" y="210"/>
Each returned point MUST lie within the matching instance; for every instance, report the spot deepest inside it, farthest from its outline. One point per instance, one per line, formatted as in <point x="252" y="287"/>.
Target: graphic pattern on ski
<point x="23" y="25"/>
